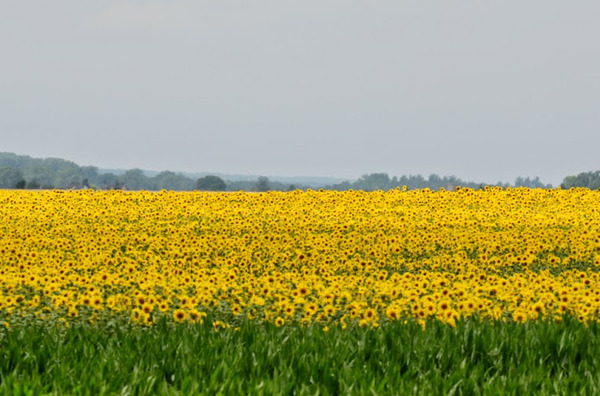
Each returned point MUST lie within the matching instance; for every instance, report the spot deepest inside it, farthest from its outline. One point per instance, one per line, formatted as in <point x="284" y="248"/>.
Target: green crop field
<point x="398" y="358"/>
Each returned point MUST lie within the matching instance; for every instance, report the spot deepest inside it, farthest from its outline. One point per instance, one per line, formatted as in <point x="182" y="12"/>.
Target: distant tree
<point x="435" y="182"/>
<point x="13" y="160"/>
<point x="590" y="180"/>
<point x="262" y="184"/>
<point x="172" y="181"/>
<point x="381" y="181"/>
<point x="89" y="172"/>
<point x="10" y="177"/>
<point x="241" y="185"/>
<point x="343" y="186"/>
<point x="530" y="183"/>
<point x="33" y="185"/>
<point x="134" y="179"/>
<point x="372" y="182"/>
<point x="68" y="177"/>
<point x="21" y="184"/>
<point x="42" y="175"/>
<point x="211" y="183"/>
<point x="108" y="181"/>
<point x="413" y="181"/>
<point x="48" y="171"/>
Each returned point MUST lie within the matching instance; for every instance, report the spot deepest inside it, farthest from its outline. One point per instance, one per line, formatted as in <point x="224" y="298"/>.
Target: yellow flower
<point x="147" y="308"/>
<point x="180" y="315"/>
<point x="327" y="256"/>
<point x="197" y="316"/>
<point x="217" y="324"/>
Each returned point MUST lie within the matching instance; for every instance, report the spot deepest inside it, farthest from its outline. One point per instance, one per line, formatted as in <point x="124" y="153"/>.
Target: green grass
<point x="473" y="358"/>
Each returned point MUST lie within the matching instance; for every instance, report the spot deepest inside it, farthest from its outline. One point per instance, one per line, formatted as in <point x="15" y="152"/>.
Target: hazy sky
<point x="483" y="90"/>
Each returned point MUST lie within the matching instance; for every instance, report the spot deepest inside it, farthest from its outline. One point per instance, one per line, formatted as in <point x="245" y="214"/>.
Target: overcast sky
<point x="483" y="90"/>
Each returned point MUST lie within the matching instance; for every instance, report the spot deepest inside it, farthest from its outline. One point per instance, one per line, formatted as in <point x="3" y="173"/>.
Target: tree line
<point x="590" y="180"/>
<point x="24" y="172"/>
<point x="382" y="181"/>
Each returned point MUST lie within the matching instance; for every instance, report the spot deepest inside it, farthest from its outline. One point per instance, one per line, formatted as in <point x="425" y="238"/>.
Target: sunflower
<point x="392" y="313"/>
<point x="179" y="315"/>
<point x="147" y="308"/>
<point x="197" y="316"/>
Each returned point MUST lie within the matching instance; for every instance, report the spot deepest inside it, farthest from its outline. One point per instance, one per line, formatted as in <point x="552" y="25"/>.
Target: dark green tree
<point x="590" y="180"/>
<point x="211" y="183"/>
<point x="90" y="173"/>
<point x="262" y="184"/>
<point x="530" y="183"/>
<point x="33" y="185"/>
<point x="372" y="182"/>
<point x="10" y="177"/>
<point x="108" y="181"/>
<point x="172" y="181"/>
<point x="134" y="179"/>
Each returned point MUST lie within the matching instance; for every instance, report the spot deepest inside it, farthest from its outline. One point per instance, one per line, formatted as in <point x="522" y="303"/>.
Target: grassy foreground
<point x="397" y="358"/>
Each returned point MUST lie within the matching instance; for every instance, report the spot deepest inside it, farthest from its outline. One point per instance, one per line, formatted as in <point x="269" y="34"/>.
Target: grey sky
<point x="484" y="90"/>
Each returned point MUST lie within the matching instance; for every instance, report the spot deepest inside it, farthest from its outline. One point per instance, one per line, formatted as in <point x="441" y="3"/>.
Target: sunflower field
<point x="482" y="275"/>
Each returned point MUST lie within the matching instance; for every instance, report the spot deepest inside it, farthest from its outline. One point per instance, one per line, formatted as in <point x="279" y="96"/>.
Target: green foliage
<point x="381" y="181"/>
<point x="263" y="184"/>
<point x="530" y="183"/>
<point x="47" y="172"/>
<point x="589" y="180"/>
<point x="397" y="358"/>
<point x="372" y="182"/>
<point x="59" y="173"/>
<point x="211" y="183"/>
<point x="11" y="177"/>
<point x="171" y="181"/>
<point x="33" y="185"/>
<point x="133" y="179"/>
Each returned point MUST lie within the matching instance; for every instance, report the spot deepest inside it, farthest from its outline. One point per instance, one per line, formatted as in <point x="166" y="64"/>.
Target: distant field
<point x="471" y="278"/>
